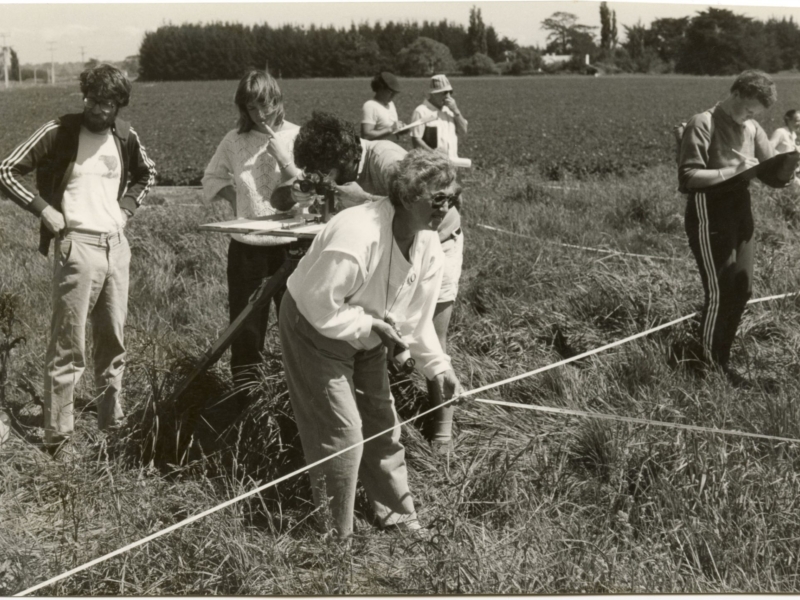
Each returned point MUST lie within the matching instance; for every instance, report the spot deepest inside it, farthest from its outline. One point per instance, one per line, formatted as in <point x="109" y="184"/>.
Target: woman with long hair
<point x="249" y="163"/>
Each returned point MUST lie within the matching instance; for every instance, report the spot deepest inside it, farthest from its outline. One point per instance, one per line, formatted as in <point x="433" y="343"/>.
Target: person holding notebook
<point x="784" y="139"/>
<point x="441" y="134"/>
<point x="717" y="145"/>
<point x="379" y="119"/>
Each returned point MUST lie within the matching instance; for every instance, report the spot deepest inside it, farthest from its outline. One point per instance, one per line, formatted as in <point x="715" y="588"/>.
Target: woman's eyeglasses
<point x="441" y="199"/>
<point x="105" y="105"/>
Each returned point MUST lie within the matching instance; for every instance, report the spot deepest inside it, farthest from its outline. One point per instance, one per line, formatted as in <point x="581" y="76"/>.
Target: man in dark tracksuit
<point x="717" y="145"/>
<point x="92" y="173"/>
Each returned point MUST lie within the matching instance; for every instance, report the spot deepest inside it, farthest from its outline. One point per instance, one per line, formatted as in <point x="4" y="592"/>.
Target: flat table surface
<point x="289" y="226"/>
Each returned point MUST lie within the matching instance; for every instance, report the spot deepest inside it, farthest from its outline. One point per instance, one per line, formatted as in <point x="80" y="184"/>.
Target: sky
<point x="111" y="31"/>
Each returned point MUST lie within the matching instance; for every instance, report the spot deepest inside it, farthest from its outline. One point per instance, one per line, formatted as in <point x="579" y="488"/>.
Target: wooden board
<point x="288" y="226"/>
<point x="416" y="123"/>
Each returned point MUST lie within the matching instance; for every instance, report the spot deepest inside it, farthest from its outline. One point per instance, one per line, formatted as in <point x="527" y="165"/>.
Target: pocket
<point x="65" y="250"/>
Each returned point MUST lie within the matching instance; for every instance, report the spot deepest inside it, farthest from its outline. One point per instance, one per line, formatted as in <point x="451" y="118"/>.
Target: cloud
<point x="71" y="30"/>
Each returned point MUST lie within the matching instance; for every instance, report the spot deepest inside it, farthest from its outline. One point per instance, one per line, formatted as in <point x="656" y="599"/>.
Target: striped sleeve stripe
<point x="16" y="156"/>
<point x="151" y="180"/>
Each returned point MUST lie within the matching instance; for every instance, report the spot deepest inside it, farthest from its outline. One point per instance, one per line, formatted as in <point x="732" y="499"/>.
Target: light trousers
<point x="340" y="396"/>
<point x="90" y="281"/>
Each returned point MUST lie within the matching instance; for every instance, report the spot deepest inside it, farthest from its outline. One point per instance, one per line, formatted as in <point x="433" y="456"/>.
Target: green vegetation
<point x="561" y="128"/>
<point x="709" y="42"/>
<point x="192" y="52"/>
<point x="530" y="502"/>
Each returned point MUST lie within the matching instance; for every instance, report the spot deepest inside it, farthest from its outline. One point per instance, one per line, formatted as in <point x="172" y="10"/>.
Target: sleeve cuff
<point x="364" y="327"/>
<point x="37" y="205"/>
<point x="129" y="204"/>
<point x="212" y="187"/>
<point x="437" y="366"/>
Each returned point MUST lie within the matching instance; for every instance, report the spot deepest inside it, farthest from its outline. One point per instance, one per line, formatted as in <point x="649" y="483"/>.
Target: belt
<point x="96" y="239"/>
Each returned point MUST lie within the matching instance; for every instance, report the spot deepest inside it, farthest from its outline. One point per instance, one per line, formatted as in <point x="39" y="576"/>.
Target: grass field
<point x="530" y="502"/>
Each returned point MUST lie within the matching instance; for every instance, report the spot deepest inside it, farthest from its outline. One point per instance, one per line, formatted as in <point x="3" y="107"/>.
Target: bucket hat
<point x="390" y="80"/>
<point x="439" y="83"/>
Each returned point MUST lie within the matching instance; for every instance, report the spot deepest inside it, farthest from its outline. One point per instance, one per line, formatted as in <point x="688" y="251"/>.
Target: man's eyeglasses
<point x="441" y="199"/>
<point x="105" y="105"/>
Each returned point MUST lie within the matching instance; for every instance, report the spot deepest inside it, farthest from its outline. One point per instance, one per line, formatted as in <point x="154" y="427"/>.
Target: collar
<point x="718" y="110"/>
<point x="430" y="106"/>
<point x="363" y="161"/>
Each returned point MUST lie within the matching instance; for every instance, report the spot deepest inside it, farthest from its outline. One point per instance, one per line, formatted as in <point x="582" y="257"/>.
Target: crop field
<point x="562" y="127"/>
<point x="529" y="502"/>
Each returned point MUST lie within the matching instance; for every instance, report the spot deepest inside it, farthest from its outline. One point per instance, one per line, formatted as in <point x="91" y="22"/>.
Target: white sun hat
<point x="439" y="83"/>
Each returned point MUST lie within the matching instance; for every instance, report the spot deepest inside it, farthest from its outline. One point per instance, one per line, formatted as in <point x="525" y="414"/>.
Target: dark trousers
<point x="247" y="267"/>
<point x="720" y="231"/>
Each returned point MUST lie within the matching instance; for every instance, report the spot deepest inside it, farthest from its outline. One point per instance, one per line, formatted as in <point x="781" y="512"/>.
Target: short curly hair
<point x="753" y="84"/>
<point x="326" y="142"/>
<point x="419" y="172"/>
<point x="261" y="87"/>
<point x="106" y="82"/>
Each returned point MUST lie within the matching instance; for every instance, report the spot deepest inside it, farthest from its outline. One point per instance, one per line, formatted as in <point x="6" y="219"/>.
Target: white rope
<point x="219" y="507"/>
<point x="776" y="297"/>
<point x="587" y="248"/>
<point x="608" y="347"/>
<point x="577" y="357"/>
<point x="594" y="415"/>
<point x="275" y="482"/>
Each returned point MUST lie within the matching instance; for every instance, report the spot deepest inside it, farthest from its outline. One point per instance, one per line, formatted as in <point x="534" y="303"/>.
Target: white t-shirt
<point x="242" y="160"/>
<point x="90" y="198"/>
<point x="378" y="160"/>
<point x="375" y="113"/>
<point x="445" y="124"/>
<point x="783" y="140"/>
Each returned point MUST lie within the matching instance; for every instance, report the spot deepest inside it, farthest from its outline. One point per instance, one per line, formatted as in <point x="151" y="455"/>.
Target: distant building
<point x="555" y="59"/>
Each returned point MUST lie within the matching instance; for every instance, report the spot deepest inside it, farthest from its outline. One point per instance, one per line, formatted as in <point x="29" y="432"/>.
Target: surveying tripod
<point x="304" y="232"/>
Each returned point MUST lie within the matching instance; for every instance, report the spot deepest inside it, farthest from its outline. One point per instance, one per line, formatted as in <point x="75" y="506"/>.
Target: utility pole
<point x="82" y="59"/>
<point x="6" y="58"/>
<point x="52" y="46"/>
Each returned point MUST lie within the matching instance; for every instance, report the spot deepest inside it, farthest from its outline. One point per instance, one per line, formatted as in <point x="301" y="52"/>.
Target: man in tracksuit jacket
<point x="92" y="173"/>
<point x="717" y="145"/>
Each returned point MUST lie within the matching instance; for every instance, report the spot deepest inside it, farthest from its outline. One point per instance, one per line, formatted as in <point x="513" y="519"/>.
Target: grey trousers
<point x="340" y="396"/>
<point x="90" y="281"/>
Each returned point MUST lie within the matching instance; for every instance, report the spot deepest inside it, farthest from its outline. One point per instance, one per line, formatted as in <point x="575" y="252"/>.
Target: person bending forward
<point x="369" y="281"/>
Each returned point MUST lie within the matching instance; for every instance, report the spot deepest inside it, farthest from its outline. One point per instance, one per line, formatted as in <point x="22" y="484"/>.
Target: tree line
<point x="225" y="50"/>
<point x="712" y="42"/>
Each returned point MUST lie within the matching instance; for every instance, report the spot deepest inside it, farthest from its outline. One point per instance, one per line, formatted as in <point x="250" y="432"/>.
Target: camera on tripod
<point x="321" y="185"/>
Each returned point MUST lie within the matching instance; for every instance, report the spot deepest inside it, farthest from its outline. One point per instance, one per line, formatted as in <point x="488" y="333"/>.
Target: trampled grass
<point x="529" y="503"/>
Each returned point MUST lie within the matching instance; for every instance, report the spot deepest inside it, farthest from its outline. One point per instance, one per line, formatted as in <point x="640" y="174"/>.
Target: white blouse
<point x="242" y="160"/>
<point x="783" y="140"/>
<point x="354" y="273"/>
